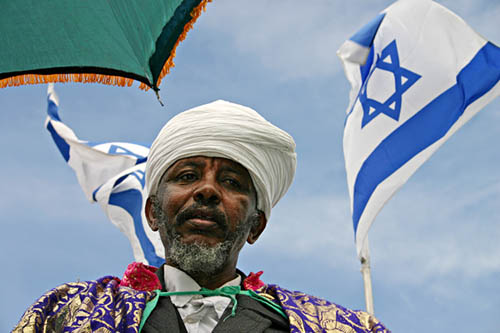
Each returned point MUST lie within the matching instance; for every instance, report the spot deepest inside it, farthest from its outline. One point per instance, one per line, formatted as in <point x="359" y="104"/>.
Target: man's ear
<point x="258" y="227"/>
<point x="150" y="213"/>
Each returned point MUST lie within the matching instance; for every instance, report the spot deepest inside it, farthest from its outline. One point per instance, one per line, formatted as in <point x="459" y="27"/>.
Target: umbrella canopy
<point x="111" y="42"/>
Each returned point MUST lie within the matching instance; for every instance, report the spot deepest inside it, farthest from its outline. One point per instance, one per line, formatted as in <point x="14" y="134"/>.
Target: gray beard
<point x="199" y="259"/>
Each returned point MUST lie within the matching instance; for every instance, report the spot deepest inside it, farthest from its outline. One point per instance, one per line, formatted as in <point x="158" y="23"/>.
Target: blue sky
<point x="435" y="250"/>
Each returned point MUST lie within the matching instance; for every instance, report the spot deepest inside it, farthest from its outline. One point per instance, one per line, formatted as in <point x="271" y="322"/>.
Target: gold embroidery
<point x="74" y="308"/>
<point x="296" y="321"/>
<point x="103" y="330"/>
<point x="318" y="315"/>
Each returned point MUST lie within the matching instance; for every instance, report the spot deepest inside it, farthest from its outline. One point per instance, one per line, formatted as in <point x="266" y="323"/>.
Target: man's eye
<point x="187" y="177"/>
<point x="232" y="182"/>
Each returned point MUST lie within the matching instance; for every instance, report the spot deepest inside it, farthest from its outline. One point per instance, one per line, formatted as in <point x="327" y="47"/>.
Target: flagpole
<point x="365" y="271"/>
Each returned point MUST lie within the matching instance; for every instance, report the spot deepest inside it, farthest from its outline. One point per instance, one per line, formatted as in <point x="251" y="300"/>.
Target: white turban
<point x="232" y="131"/>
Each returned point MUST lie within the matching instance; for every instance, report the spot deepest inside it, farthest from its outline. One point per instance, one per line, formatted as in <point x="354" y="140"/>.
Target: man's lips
<point x="201" y="224"/>
<point x="198" y="220"/>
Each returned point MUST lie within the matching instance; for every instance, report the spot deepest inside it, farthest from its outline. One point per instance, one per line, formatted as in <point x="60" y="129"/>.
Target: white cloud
<point x="299" y="39"/>
<point x="295" y="39"/>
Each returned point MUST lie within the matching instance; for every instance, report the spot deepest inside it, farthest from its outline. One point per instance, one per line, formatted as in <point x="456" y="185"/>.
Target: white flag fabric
<point x="418" y="73"/>
<point x="111" y="174"/>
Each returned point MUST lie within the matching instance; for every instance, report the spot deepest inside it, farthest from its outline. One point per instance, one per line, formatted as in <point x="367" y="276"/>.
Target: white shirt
<point x="199" y="313"/>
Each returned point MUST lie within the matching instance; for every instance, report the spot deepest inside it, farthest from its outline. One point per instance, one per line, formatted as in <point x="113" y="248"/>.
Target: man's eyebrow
<point x="228" y="168"/>
<point x="194" y="164"/>
<point x="183" y="164"/>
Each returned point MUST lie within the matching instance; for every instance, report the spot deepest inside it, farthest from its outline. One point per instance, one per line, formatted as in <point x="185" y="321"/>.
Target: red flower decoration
<point x="140" y="277"/>
<point x="253" y="282"/>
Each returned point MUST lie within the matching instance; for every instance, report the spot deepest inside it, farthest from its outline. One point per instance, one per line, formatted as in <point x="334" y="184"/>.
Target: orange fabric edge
<point x="23" y="79"/>
<point x="195" y="13"/>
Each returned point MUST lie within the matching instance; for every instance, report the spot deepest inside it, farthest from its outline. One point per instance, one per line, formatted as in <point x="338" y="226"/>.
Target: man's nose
<point x="207" y="193"/>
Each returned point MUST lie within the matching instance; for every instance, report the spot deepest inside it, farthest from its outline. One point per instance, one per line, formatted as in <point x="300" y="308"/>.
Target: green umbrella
<point x="105" y="41"/>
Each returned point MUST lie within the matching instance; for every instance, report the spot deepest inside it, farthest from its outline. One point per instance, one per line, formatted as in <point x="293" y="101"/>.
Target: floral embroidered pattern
<point x="311" y="314"/>
<point x="92" y="306"/>
<point x="140" y="277"/>
<point x="253" y="282"/>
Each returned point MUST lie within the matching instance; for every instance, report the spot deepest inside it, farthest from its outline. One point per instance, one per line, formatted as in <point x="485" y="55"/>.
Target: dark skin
<point x="210" y="184"/>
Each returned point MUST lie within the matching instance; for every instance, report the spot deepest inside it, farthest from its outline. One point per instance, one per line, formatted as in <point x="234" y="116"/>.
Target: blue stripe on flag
<point x="120" y="180"/>
<point x="94" y="198"/>
<point x="138" y="174"/>
<point x="131" y="201"/>
<point x="427" y="126"/>
<point x="141" y="160"/>
<point x="52" y="110"/>
<point x="365" y="35"/>
<point x="61" y="144"/>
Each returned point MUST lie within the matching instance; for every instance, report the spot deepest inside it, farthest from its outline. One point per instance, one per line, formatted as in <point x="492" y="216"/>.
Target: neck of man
<point x="211" y="280"/>
<point x="214" y="281"/>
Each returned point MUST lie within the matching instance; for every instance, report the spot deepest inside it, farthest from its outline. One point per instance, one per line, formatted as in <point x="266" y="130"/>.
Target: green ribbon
<point x="227" y="291"/>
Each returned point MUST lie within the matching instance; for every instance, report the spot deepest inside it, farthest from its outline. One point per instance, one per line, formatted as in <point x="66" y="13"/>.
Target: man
<point x="213" y="174"/>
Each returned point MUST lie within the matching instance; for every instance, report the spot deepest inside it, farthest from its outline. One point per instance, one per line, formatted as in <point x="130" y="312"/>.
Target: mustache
<point x="202" y="212"/>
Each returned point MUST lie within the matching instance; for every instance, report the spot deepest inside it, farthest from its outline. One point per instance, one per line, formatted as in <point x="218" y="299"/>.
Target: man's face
<point x="205" y="209"/>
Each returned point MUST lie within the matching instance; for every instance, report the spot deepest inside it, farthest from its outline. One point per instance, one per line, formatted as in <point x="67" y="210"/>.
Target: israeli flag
<point x="418" y="73"/>
<point x="111" y="174"/>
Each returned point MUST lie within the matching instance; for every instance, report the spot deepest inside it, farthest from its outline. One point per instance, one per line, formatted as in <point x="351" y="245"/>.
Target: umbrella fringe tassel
<point x="23" y="79"/>
<point x="195" y="13"/>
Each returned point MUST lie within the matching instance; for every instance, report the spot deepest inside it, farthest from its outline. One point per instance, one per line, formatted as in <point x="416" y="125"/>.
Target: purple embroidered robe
<point x="103" y="306"/>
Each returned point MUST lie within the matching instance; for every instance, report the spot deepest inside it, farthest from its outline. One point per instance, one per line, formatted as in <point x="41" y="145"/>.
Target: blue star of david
<point x="388" y="60"/>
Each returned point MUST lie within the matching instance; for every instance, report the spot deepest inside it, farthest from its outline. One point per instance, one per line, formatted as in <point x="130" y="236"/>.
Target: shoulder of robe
<point x="308" y="313"/>
<point x="88" y="306"/>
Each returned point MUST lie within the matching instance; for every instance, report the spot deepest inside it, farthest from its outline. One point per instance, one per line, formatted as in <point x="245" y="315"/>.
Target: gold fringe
<point x="23" y="79"/>
<point x="197" y="11"/>
<point x="19" y="80"/>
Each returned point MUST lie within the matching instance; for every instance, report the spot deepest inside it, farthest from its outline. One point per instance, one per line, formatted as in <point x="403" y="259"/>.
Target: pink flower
<point x="140" y="277"/>
<point x="253" y="282"/>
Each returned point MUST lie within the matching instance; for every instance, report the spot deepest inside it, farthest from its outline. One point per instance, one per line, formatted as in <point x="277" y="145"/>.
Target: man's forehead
<point x="202" y="161"/>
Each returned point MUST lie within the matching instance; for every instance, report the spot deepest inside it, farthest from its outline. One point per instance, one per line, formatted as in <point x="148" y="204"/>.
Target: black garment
<point x="251" y="316"/>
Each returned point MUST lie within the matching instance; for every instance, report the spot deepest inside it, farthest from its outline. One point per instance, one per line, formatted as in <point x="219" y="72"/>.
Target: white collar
<point x="177" y="280"/>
